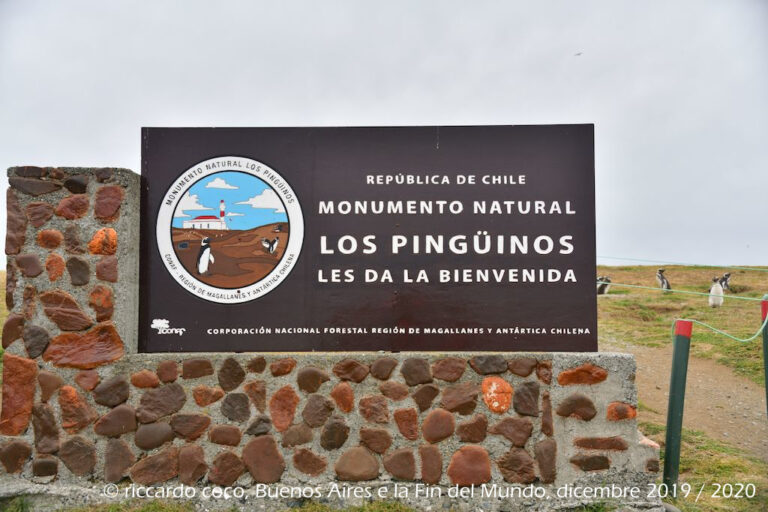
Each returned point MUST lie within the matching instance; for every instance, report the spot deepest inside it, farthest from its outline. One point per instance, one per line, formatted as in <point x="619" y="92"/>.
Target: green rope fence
<point x="681" y="335"/>
<point x="723" y="333"/>
<point x="676" y="291"/>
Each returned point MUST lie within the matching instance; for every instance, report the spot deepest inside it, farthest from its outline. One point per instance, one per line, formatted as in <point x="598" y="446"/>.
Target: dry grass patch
<point x="704" y="461"/>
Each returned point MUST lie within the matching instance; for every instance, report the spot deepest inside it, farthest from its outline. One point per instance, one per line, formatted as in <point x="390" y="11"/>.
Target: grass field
<point x="704" y="461"/>
<point x="645" y="317"/>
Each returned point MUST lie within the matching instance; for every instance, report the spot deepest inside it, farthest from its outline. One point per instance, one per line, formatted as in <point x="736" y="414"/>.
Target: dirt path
<point x="720" y="403"/>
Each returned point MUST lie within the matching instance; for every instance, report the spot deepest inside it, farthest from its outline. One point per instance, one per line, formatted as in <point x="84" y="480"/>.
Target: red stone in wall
<point x="101" y="345"/>
<point x="106" y="269"/>
<point x="101" y="301"/>
<point x="407" y="421"/>
<point x="39" y="213"/>
<point x="584" y="374"/>
<point x="401" y="464"/>
<point x="73" y="207"/>
<point x="87" y="379"/>
<point x="431" y="464"/>
<point x="357" y="465"/>
<point x="76" y="414"/>
<point x="16" y="227"/>
<point x="282" y="407"/>
<point x="470" y="465"/>
<point x="344" y="396"/>
<point x="107" y="203"/>
<point x="12" y="329"/>
<point x="601" y="443"/>
<point x="263" y="460"/>
<point x="145" y="379"/>
<point x="156" y="468"/>
<point x="64" y="311"/>
<point x="19" y="376"/>
<point x="257" y="393"/>
<point x="206" y="395"/>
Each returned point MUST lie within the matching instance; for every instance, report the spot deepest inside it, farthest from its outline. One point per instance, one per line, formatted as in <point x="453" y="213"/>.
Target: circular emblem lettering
<point x="230" y="229"/>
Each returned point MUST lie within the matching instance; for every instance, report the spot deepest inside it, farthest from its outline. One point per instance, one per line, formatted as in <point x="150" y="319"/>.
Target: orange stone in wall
<point x="104" y="241"/>
<point x="205" y="395"/>
<point x="497" y="394"/>
<point x="584" y="374"/>
<point x="49" y="238"/>
<point x="76" y="414"/>
<point x="54" y="266"/>
<point x="618" y="411"/>
<point x="19" y="377"/>
<point x="101" y="301"/>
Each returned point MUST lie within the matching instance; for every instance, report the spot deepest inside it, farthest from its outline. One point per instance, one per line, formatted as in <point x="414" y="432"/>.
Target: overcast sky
<point x="678" y="91"/>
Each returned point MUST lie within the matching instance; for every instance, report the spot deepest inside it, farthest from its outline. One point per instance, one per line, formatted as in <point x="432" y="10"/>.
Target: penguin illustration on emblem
<point x="270" y="245"/>
<point x="204" y="257"/>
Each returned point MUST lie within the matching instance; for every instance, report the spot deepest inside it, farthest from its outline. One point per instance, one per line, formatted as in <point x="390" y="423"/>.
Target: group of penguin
<point x="716" y="289"/>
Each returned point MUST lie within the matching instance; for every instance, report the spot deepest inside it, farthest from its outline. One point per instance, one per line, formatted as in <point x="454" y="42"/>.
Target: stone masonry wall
<point x="80" y="406"/>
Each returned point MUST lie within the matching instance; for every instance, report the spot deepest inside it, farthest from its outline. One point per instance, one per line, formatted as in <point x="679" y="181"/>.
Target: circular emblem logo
<point x="230" y="229"/>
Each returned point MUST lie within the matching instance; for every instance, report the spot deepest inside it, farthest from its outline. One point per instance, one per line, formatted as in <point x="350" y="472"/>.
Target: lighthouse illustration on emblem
<point x="209" y="221"/>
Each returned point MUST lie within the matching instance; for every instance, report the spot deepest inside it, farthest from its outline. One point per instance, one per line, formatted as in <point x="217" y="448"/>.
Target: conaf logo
<point x="163" y="327"/>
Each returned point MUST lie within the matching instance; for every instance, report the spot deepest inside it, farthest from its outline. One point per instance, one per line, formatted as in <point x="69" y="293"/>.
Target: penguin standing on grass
<point x="662" y="280"/>
<point x="603" y="285"/>
<point x="204" y="257"/>
<point x="725" y="281"/>
<point x="715" y="293"/>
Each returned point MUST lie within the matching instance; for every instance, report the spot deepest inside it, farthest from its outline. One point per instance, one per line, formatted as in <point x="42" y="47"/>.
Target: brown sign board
<point x="389" y="238"/>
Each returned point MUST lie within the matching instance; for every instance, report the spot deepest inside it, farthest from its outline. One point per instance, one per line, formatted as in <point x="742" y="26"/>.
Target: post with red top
<point x="764" y="308"/>
<point x="682" y="347"/>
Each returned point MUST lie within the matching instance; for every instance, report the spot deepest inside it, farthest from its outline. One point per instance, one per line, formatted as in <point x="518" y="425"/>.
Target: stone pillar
<point x="72" y="296"/>
<point x="73" y="243"/>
